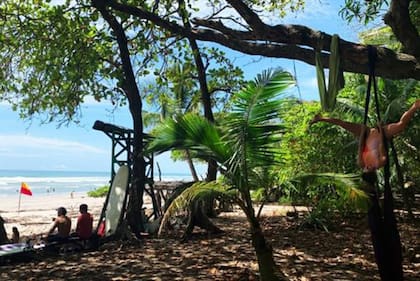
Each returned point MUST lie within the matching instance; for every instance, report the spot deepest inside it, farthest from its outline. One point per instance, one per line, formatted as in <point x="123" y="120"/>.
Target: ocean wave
<point x="13" y="180"/>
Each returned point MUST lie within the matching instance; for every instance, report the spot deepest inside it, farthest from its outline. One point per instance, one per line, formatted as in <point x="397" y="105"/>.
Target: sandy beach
<point x="36" y="212"/>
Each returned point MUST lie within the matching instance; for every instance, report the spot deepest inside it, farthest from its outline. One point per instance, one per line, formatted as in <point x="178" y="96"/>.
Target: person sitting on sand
<point x="372" y="155"/>
<point x="84" y="223"/>
<point x="15" y="235"/>
<point x="3" y="234"/>
<point x="63" y="225"/>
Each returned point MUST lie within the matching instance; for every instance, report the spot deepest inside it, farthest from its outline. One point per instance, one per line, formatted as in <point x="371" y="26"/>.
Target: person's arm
<point x="79" y="218"/>
<point x="53" y="227"/>
<point x="354" y="128"/>
<point x="396" y="128"/>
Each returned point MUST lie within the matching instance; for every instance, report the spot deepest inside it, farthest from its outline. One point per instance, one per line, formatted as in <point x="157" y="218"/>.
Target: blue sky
<point x="32" y="146"/>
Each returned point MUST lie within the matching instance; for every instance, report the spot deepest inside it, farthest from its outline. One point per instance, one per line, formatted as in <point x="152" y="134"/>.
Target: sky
<point x="31" y="145"/>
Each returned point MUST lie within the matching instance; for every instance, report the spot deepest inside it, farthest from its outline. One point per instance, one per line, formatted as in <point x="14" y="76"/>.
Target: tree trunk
<point x="191" y="165"/>
<point x="131" y="90"/>
<point x="202" y="79"/>
<point x="400" y="177"/>
<point x="267" y="267"/>
<point x="197" y="217"/>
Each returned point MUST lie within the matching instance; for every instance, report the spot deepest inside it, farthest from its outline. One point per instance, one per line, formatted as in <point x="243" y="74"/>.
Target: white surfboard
<point x="116" y="200"/>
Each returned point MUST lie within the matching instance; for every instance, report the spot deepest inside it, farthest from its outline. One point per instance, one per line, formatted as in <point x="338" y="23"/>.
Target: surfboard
<point x="10" y="249"/>
<point x="15" y="251"/>
<point x="116" y="200"/>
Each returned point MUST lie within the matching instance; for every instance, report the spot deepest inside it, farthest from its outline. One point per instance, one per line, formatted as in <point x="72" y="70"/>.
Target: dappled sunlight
<point x="343" y="253"/>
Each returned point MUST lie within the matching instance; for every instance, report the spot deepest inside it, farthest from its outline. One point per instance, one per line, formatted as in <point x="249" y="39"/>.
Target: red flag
<point x="24" y="189"/>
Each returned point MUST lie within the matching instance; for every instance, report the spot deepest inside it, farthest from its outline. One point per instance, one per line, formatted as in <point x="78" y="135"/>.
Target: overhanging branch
<point x="284" y="41"/>
<point x="354" y="56"/>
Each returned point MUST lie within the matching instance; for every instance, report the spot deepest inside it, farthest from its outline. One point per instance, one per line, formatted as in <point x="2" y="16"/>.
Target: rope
<point x="390" y="260"/>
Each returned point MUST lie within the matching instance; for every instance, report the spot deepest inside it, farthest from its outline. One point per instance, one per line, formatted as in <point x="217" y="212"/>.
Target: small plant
<point x="99" y="192"/>
<point x="321" y="215"/>
<point x="258" y="195"/>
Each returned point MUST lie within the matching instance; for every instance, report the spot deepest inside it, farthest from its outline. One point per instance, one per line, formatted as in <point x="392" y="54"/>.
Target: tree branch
<point x="298" y="43"/>
<point x="284" y="41"/>
<point x="398" y="18"/>
<point x="247" y="14"/>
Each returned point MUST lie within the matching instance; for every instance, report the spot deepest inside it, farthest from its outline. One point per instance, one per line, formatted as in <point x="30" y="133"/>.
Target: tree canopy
<point x="68" y="47"/>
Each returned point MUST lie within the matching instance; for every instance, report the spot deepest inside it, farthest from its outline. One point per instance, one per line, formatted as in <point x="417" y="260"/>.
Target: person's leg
<point x="396" y="128"/>
<point x="53" y="238"/>
<point x="354" y="128"/>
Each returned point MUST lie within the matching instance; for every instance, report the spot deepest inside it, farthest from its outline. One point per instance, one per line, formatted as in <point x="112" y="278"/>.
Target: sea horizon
<point x="44" y="182"/>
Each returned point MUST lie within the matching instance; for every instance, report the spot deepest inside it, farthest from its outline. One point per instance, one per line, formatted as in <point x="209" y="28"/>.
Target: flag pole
<point x="20" y="196"/>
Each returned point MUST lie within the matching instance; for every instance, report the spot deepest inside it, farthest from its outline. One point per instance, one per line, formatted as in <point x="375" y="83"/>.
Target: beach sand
<point x="37" y="212"/>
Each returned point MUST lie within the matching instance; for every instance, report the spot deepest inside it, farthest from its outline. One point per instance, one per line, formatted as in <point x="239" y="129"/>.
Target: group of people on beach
<point x="60" y="229"/>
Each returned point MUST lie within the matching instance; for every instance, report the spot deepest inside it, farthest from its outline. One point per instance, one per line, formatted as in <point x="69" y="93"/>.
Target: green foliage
<point x="283" y="7"/>
<point x="326" y="195"/>
<point x="176" y="89"/>
<point x="317" y="149"/>
<point x="381" y="36"/>
<point x="361" y="10"/>
<point x="344" y="187"/>
<point x="99" y="192"/>
<point x="258" y="195"/>
<point x="203" y="191"/>
<point x="244" y="142"/>
<point x="56" y="55"/>
<point x="320" y="217"/>
<point x="52" y="59"/>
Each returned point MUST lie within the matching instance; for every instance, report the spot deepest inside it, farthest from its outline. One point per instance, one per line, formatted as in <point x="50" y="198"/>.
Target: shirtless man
<point x="372" y="155"/>
<point x="63" y="225"/>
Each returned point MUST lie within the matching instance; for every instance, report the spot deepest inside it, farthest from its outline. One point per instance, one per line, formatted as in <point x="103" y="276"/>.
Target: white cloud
<point x="33" y="145"/>
<point x="41" y="153"/>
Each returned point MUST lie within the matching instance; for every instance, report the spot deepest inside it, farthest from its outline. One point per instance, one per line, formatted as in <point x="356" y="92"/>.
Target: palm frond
<point x="348" y="106"/>
<point x="198" y="191"/>
<point x="254" y="125"/>
<point x="347" y="186"/>
<point x="189" y="131"/>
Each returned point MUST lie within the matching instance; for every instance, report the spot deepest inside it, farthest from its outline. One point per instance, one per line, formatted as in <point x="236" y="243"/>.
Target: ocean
<point x="58" y="182"/>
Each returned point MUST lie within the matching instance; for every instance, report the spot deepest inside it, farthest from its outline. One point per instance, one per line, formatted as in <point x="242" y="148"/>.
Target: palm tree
<point x="243" y="144"/>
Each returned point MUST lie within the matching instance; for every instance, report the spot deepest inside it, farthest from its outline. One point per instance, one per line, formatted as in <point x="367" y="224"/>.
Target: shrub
<point x="99" y="192"/>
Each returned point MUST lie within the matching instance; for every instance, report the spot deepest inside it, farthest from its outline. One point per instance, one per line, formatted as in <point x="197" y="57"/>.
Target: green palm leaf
<point x="189" y="131"/>
<point x="196" y="192"/>
<point x="348" y="186"/>
<point x="246" y="135"/>
<point x="254" y="125"/>
<point x="243" y="143"/>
